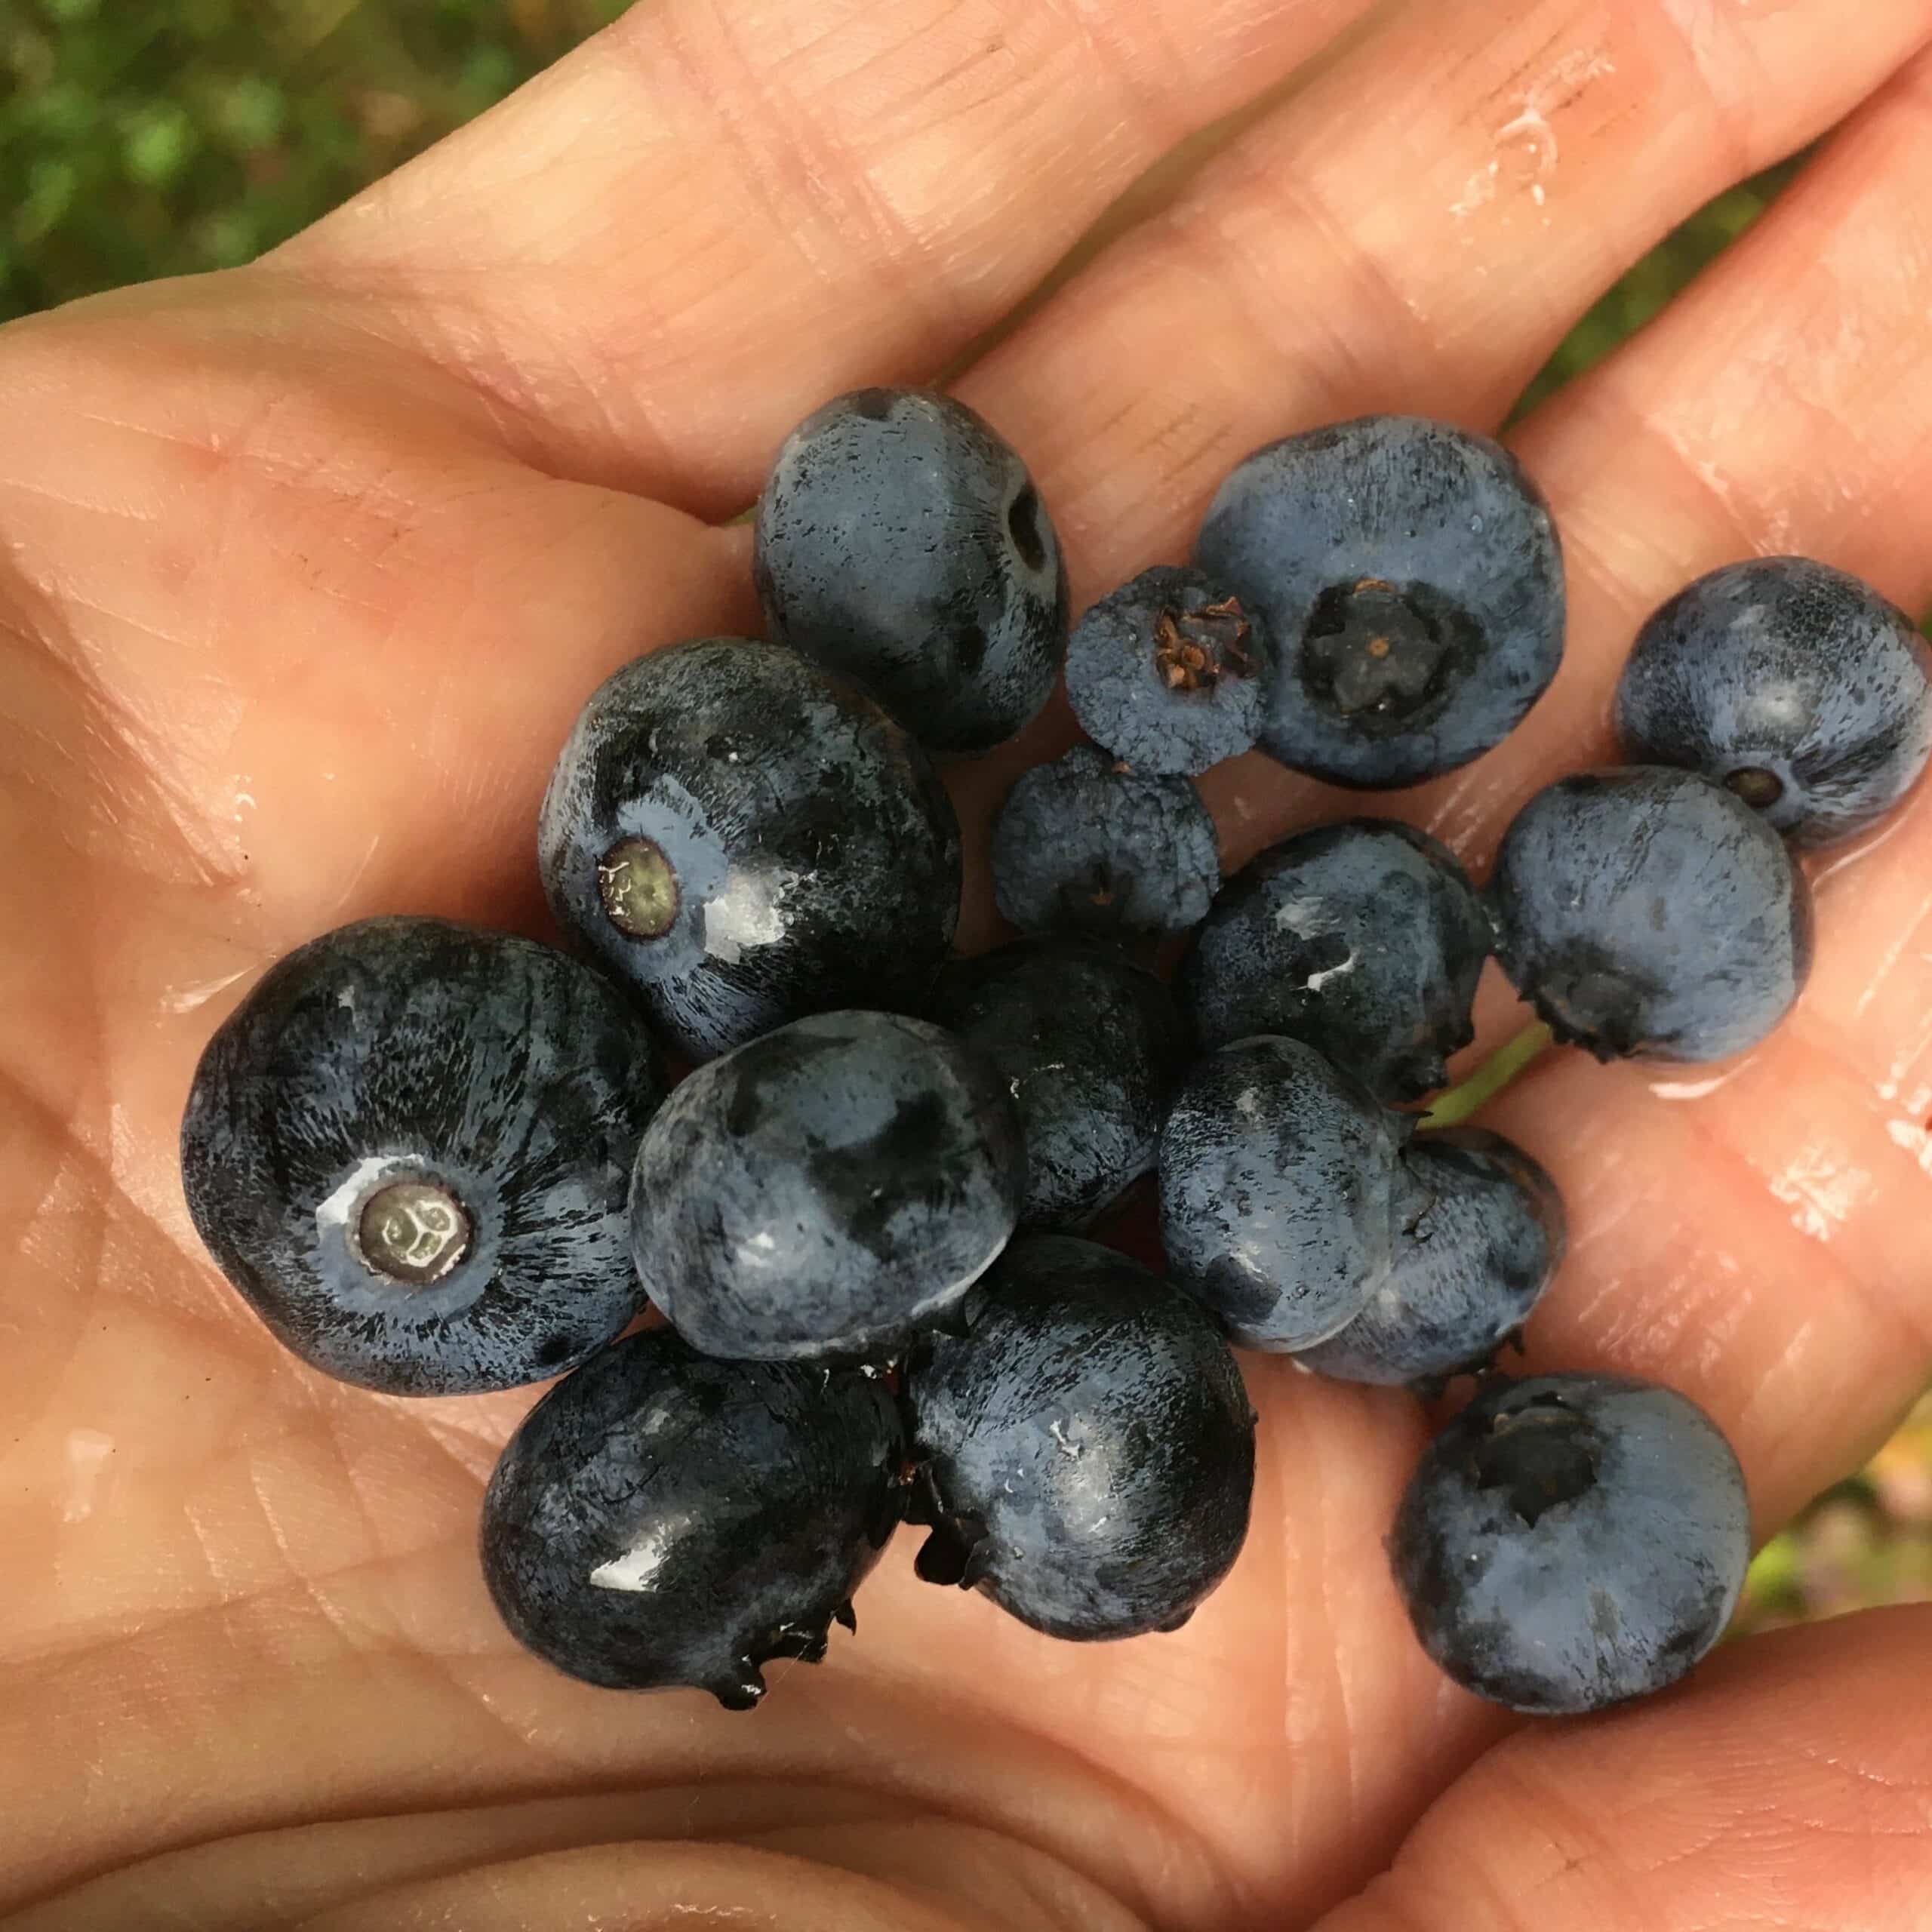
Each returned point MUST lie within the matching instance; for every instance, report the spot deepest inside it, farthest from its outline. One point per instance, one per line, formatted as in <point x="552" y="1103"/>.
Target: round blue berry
<point x="1364" y="938"/>
<point x="1795" y="684"/>
<point x="1283" y="1191"/>
<point x="1170" y="673"/>
<point x="1089" y="1045"/>
<point x="1647" y="912"/>
<point x="1088" y="844"/>
<point x="1572" y="1541"/>
<point x="662" y="1521"/>
<point x="1411" y="583"/>
<point x="743" y="840"/>
<point x="901" y="543"/>
<point x="408" y="1149"/>
<point x="1086" y="1444"/>
<point x="826" y="1191"/>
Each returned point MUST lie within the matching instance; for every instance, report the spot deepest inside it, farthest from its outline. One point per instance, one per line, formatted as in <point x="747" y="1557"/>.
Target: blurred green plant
<point x="141" y="140"/>
<point x="1665" y="272"/>
<point x="1867" y="1541"/>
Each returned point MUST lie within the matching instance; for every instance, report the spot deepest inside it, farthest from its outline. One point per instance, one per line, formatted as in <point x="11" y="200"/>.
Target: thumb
<point x="1789" y="1785"/>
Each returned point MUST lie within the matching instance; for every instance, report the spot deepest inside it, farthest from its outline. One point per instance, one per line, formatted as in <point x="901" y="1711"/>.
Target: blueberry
<point x="1646" y="912"/>
<point x="1090" y="1047"/>
<point x="1797" y="686"/>
<point x="1364" y="938"/>
<point x="1572" y="1541"/>
<point x="661" y="1521"/>
<point x="1283" y="1191"/>
<point x="1087" y="1446"/>
<point x="744" y="840"/>
<point x="1087" y="845"/>
<point x="408" y="1149"/>
<point x="901" y="543"/>
<point x="1467" y="1275"/>
<point x="825" y="1191"/>
<point x="1411" y="583"/>
<point x="1169" y="674"/>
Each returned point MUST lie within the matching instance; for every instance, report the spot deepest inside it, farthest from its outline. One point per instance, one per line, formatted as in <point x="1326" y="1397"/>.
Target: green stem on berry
<point x="1496" y="1072"/>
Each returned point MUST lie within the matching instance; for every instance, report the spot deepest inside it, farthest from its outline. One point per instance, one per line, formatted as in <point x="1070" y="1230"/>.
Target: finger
<point x="1756" y="1248"/>
<point x="1320" y="269"/>
<point x="1781" y="407"/>
<point x="1416" y="230"/>
<point x="662" y="254"/>
<point x="1324" y="1672"/>
<point x="299" y="644"/>
<point x="1787" y="1787"/>
<point x="1756" y="1236"/>
<point x="649" y="1886"/>
<point x="1750" y="1237"/>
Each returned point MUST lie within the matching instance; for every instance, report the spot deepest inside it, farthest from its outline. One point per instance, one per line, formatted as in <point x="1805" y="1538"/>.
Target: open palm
<point x="307" y="569"/>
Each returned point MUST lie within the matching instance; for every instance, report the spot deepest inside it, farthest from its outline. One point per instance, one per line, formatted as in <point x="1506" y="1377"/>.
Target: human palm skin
<point x="307" y="569"/>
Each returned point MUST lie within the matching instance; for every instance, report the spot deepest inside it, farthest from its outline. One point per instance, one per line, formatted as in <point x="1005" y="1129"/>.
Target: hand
<point x="306" y="570"/>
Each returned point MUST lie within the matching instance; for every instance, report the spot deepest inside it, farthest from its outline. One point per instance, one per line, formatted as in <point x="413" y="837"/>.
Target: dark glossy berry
<point x="408" y="1149"/>
<point x="901" y="543"/>
<point x="1572" y="1541"/>
<point x="1795" y="684"/>
<point x="1088" y="844"/>
<point x="826" y="1191"/>
<point x="661" y="1520"/>
<point x="1365" y="938"/>
<point x="1170" y="673"/>
<point x="1647" y="912"/>
<point x="1087" y="1446"/>
<point x="1090" y="1047"/>
<point x="1283" y="1191"/>
<point x="1411" y="582"/>
<point x="1467" y="1275"/>
<point x="744" y="840"/>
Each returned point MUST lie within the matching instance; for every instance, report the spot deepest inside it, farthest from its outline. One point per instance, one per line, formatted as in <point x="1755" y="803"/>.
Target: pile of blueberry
<point x="437" y="1160"/>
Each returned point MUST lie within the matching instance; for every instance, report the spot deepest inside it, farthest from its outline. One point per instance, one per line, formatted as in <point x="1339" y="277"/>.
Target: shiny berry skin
<point x="743" y="840"/>
<point x="901" y="543"/>
<point x="1087" y="1445"/>
<point x="1283" y="1191"/>
<point x="1572" y="1541"/>
<point x="827" y="1191"/>
<point x="1364" y="938"/>
<point x="1089" y="1045"/>
<point x="408" y="1149"/>
<point x="662" y="1521"/>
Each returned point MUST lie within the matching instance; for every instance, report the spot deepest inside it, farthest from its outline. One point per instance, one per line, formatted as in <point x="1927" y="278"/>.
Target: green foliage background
<point x="145" y="139"/>
<point x="138" y="140"/>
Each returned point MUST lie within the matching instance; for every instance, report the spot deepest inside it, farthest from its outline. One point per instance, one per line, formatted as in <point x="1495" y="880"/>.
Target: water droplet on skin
<point x="87" y="1452"/>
